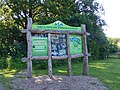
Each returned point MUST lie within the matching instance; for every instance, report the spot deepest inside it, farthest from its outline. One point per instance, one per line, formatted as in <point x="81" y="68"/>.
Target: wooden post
<point x="85" y="51"/>
<point x="69" y="56"/>
<point x="29" y="43"/>
<point x="49" y="56"/>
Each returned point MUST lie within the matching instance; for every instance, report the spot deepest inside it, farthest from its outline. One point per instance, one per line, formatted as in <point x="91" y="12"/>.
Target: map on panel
<point x="58" y="43"/>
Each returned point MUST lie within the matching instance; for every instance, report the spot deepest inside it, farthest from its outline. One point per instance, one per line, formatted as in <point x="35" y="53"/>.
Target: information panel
<point x="75" y="44"/>
<point x="39" y="45"/>
<point x="58" y="43"/>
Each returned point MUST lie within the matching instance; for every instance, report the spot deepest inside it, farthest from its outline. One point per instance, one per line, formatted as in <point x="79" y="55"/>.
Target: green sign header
<point x="57" y="25"/>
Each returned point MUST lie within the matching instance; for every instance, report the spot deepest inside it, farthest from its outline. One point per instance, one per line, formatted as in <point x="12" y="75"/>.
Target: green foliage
<point x="12" y="63"/>
<point x="43" y="64"/>
<point x="114" y="45"/>
<point x="10" y="35"/>
<point x="107" y="71"/>
<point x="6" y="76"/>
<point x="3" y="63"/>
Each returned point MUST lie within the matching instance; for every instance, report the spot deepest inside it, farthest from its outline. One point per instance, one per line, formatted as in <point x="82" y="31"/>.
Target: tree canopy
<point x="114" y="45"/>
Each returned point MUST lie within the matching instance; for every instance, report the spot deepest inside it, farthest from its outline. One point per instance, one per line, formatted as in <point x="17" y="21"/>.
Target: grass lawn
<point x="6" y="76"/>
<point x="107" y="71"/>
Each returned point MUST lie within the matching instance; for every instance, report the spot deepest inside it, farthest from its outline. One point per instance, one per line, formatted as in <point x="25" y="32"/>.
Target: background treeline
<point x="14" y="14"/>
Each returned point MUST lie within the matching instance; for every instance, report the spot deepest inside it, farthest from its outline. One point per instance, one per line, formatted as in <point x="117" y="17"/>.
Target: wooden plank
<point x="54" y="57"/>
<point x="25" y="59"/>
<point x="40" y="58"/>
<point x="46" y="57"/>
<point x="49" y="57"/>
<point x="88" y="34"/>
<point x="59" y="57"/>
<point x="77" y="55"/>
<point x="56" y="32"/>
<point x="85" y="52"/>
<point x="29" y="43"/>
<point x="24" y="31"/>
<point x="69" y="56"/>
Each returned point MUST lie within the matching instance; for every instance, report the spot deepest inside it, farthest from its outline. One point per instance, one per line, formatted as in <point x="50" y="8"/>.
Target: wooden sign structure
<point x="54" y="41"/>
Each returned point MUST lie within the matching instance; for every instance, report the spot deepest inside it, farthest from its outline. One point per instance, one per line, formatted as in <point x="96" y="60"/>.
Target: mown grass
<point x="107" y="71"/>
<point x="6" y="76"/>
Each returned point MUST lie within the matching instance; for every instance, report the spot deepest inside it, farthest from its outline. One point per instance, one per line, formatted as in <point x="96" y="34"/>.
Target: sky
<point x="112" y="17"/>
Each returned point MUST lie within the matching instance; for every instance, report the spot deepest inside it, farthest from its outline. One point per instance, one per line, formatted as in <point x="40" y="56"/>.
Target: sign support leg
<point x="49" y="56"/>
<point x="85" y="51"/>
<point x="69" y="56"/>
<point x="29" y="53"/>
<point x="29" y="68"/>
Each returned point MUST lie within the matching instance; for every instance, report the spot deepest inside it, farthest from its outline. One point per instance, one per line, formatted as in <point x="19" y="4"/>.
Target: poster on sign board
<point x="75" y="44"/>
<point x="39" y="45"/>
<point x="58" y="43"/>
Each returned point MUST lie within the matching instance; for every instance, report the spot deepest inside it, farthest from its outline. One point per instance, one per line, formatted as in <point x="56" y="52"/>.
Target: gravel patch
<point x="58" y="83"/>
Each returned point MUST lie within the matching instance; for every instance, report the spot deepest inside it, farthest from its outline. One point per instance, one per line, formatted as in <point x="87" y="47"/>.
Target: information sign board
<point x="58" y="41"/>
<point x="39" y="45"/>
<point x="75" y="44"/>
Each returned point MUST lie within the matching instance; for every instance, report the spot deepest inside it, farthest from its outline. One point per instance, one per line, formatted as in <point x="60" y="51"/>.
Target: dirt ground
<point x="58" y="83"/>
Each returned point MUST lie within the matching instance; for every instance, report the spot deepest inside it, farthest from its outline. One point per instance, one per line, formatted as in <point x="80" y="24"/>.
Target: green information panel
<point x="39" y="45"/>
<point x="58" y="42"/>
<point x="75" y="44"/>
<point x="57" y="25"/>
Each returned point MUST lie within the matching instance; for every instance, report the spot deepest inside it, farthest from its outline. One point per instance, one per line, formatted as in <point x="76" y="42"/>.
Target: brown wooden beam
<point x="85" y="51"/>
<point x="56" y="32"/>
<point x="49" y="56"/>
<point x="54" y="57"/>
<point x="69" y="56"/>
<point x="29" y="45"/>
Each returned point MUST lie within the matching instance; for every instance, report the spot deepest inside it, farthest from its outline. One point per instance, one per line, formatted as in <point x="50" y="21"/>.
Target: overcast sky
<point x="112" y="17"/>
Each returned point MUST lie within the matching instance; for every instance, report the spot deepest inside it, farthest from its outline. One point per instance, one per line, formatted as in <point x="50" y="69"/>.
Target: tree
<point x="114" y="47"/>
<point x="97" y="42"/>
<point x="9" y="32"/>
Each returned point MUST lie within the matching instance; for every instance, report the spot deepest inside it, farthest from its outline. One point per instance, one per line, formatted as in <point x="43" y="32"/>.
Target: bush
<point x="16" y="63"/>
<point x="3" y="63"/>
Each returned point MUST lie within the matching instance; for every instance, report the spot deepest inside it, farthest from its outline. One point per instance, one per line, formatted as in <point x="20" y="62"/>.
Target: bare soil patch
<point x="58" y="83"/>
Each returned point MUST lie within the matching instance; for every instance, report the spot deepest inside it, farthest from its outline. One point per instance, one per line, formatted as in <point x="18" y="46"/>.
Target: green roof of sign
<point x="57" y="25"/>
